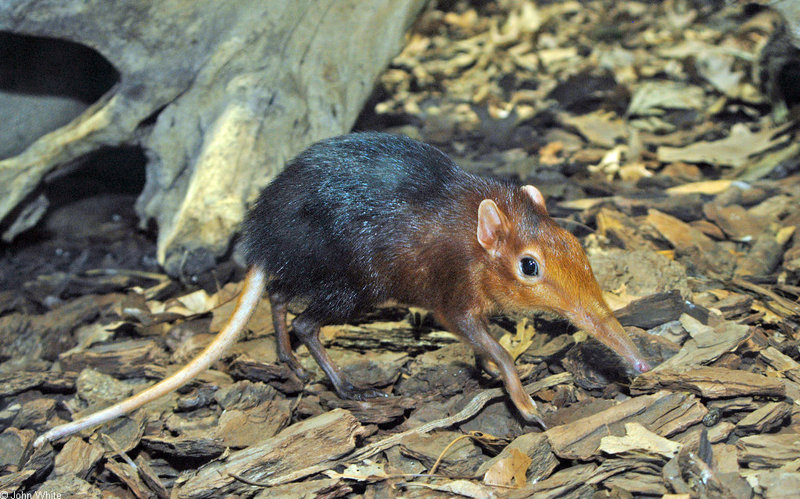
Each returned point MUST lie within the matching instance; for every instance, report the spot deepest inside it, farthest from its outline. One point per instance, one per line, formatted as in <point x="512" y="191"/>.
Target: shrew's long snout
<point x="610" y="332"/>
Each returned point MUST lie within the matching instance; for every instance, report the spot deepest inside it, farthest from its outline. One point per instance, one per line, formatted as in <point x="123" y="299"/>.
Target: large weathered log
<point x="235" y="89"/>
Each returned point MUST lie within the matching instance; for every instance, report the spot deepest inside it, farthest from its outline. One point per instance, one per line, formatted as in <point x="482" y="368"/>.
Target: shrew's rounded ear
<point x="492" y="226"/>
<point x="535" y="196"/>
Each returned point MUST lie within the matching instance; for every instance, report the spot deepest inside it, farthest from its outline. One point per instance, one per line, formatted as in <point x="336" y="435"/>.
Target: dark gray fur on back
<point x="330" y="225"/>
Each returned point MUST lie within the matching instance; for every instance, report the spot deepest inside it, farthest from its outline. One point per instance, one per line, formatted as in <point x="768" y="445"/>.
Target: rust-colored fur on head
<point x="516" y="235"/>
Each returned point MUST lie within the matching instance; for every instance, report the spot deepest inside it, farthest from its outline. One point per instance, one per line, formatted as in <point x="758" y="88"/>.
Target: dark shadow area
<point x="45" y="66"/>
<point x="90" y="222"/>
<point x="119" y="170"/>
<point x="46" y="83"/>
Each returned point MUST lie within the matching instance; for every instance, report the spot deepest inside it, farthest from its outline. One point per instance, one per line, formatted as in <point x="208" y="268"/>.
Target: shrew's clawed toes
<point x="301" y="373"/>
<point x="295" y="366"/>
<point x="533" y="418"/>
<point x="352" y="392"/>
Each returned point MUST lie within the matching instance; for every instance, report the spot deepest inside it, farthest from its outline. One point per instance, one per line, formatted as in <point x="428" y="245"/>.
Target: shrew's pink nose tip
<point x="641" y="366"/>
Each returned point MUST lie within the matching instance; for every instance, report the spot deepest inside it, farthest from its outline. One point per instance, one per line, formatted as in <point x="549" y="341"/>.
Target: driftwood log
<point x="218" y="95"/>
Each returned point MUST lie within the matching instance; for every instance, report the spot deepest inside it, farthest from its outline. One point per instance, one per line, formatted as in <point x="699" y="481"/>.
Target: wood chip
<point x="198" y="447"/>
<point x="768" y="451"/>
<point x="239" y="428"/>
<point x="681" y="235"/>
<point x="77" y="458"/>
<point x="14" y="447"/>
<point x="150" y="477"/>
<point x="708" y="343"/>
<point x="12" y="482"/>
<point x="462" y="458"/>
<point x="581" y="439"/>
<point x="128" y="475"/>
<point x="781" y="363"/>
<point x="16" y="382"/>
<point x="559" y="485"/>
<point x="639" y="438"/>
<point x="278" y="375"/>
<point x="279" y="459"/>
<point x="372" y="411"/>
<point x="391" y="336"/>
<point x="653" y="310"/>
<point x="124" y="359"/>
<point x="709" y="382"/>
<point x="766" y="419"/>
<point x="534" y="445"/>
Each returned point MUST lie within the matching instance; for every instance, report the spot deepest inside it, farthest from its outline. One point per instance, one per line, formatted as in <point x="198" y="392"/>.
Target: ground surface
<point x="645" y="129"/>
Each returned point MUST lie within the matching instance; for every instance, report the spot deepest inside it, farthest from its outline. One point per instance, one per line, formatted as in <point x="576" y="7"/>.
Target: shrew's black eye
<point x="529" y="266"/>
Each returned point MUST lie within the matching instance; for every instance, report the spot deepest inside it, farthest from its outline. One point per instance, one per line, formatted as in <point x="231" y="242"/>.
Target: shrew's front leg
<point x="475" y="331"/>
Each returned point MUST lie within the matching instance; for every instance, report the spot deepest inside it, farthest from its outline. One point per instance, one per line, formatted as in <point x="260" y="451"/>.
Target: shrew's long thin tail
<point x="248" y="299"/>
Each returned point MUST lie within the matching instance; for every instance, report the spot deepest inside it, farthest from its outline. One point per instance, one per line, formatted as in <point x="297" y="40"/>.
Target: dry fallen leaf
<point x="198" y="302"/>
<point x="619" y="297"/>
<point x="632" y="172"/>
<point x="600" y="128"/>
<point x="510" y="471"/>
<point x="93" y="333"/>
<point x="518" y="343"/>
<point x="639" y="438"/>
<point x="709" y="187"/>
<point x="611" y="162"/>
<point x="366" y="471"/>
<point x="734" y="150"/>
<point x="652" y="98"/>
<point x="461" y="487"/>
<point x="584" y="203"/>
<point x="549" y="153"/>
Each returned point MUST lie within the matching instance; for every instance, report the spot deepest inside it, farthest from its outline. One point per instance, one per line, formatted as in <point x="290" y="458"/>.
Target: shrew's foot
<point x="351" y="392"/>
<point x="296" y="367"/>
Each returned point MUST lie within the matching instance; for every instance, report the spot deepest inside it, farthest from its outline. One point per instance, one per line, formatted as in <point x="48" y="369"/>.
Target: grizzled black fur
<point x="779" y="68"/>
<point x="338" y="224"/>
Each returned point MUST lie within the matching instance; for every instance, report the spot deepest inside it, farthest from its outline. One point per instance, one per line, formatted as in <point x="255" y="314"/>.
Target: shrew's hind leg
<point x="278" y="303"/>
<point x="307" y="330"/>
